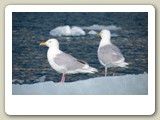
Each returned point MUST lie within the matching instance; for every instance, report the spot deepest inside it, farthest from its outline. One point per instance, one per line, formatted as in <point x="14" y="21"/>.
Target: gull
<point x="109" y="55"/>
<point x="63" y="62"/>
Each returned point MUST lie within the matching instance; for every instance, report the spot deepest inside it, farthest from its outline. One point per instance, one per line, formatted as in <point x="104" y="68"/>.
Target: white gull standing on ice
<point x="109" y="55"/>
<point x="63" y="62"/>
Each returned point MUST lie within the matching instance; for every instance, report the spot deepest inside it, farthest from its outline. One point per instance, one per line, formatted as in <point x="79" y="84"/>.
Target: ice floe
<point x="92" y="32"/>
<point x="110" y="85"/>
<point x="101" y="27"/>
<point x="67" y="31"/>
<point x="80" y="31"/>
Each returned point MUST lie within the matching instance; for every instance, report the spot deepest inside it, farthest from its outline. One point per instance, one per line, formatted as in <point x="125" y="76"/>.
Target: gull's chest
<point x="51" y="55"/>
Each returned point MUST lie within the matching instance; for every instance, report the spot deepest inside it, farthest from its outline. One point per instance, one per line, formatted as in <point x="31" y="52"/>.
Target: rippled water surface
<point x="29" y="29"/>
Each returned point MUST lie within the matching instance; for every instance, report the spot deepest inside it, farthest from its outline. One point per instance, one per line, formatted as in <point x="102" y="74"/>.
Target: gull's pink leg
<point x="63" y="78"/>
<point x="114" y="71"/>
<point x="106" y="72"/>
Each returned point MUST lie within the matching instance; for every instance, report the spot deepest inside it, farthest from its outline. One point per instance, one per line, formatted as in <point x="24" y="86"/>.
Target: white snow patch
<point x="111" y="85"/>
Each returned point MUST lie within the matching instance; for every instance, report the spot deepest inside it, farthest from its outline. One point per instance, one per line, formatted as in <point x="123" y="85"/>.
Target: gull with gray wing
<point x="109" y="55"/>
<point x="63" y="62"/>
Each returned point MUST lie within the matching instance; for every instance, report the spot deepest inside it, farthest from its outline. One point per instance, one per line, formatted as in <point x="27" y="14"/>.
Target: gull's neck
<point x="53" y="51"/>
<point x="104" y="41"/>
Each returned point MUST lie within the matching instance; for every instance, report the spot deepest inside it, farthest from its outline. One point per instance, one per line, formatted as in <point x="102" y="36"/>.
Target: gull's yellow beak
<point x="97" y="34"/>
<point x="42" y="44"/>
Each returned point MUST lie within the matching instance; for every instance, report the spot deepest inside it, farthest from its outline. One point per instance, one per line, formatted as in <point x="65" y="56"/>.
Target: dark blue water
<point x="29" y="29"/>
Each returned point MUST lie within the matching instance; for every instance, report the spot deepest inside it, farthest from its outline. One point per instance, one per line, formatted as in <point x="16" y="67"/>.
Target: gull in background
<point x="109" y="55"/>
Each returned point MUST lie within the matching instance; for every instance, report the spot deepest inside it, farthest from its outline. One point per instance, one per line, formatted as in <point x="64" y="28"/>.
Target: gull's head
<point x="50" y="43"/>
<point x="105" y="34"/>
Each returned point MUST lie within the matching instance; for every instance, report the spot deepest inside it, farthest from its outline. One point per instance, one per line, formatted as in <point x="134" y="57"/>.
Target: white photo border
<point x="79" y="104"/>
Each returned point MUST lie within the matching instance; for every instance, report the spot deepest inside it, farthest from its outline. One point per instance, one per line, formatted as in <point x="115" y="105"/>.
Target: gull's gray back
<point x="68" y="61"/>
<point x="109" y="54"/>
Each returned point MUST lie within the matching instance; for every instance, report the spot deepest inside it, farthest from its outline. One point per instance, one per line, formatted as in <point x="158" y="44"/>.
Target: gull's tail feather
<point x="124" y="64"/>
<point x="88" y="69"/>
<point x="92" y="70"/>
